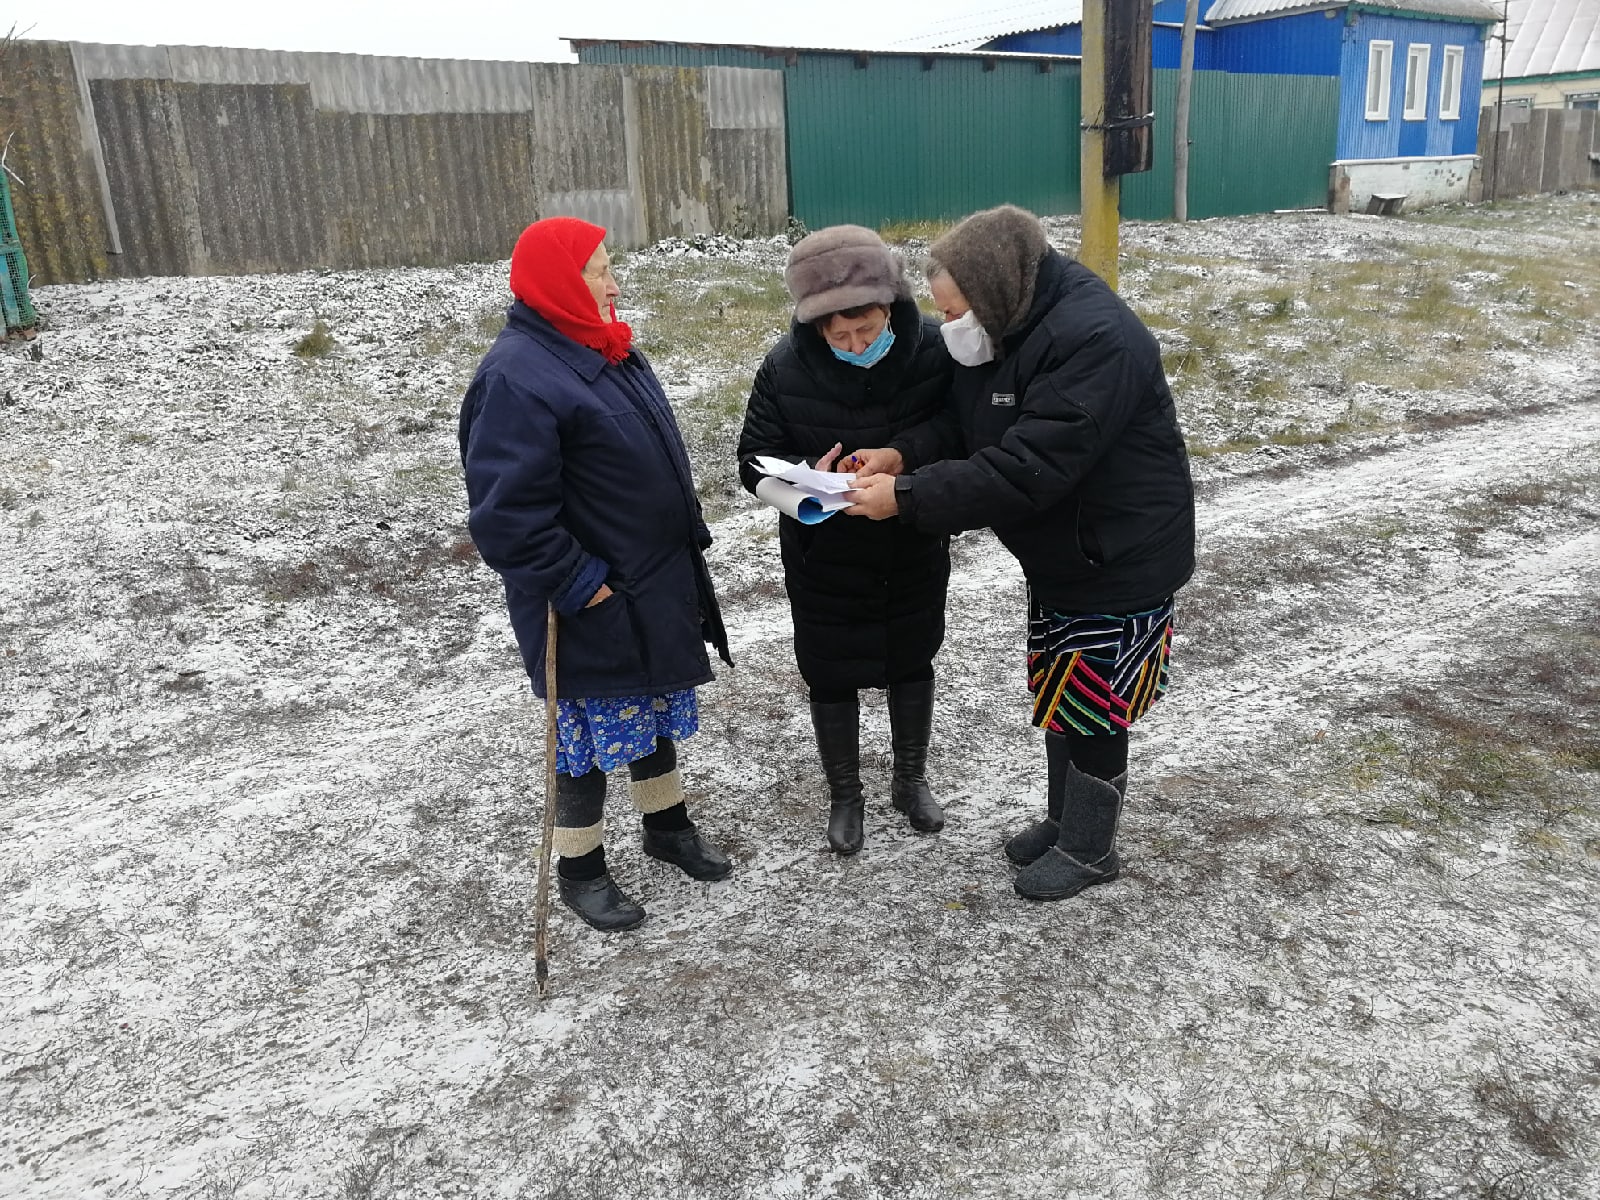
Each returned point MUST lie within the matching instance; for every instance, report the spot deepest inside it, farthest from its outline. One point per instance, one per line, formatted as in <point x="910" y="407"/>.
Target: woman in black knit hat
<point x="1063" y="438"/>
<point x="860" y="365"/>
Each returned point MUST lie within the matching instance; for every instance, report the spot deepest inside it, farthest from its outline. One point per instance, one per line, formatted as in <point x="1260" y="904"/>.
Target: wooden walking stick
<point x="541" y="901"/>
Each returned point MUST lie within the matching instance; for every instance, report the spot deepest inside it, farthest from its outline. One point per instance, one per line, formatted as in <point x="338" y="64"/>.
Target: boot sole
<point x="1067" y="893"/>
<point x="605" y="928"/>
<point x="1017" y="861"/>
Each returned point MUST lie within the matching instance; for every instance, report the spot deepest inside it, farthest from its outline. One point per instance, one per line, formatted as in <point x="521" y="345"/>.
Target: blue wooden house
<point x="1409" y="75"/>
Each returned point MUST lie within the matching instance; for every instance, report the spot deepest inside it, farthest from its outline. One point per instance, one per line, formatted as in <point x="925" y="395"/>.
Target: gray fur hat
<point x="994" y="257"/>
<point x="842" y="267"/>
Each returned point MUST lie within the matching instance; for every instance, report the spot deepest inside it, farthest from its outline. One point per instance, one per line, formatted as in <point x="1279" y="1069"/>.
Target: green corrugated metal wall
<point x="892" y="141"/>
<point x="1257" y="143"/>
<point x="895" y="141"/>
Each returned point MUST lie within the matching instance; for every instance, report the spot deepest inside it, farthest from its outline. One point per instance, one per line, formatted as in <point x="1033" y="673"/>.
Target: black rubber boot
<point x="838" y="729"/>
<point x="689" y="852"/>
<point x="910" y="727"/>
<point x="601" y="903"/>
<point x="1086" y="852"/>
<point x="1030" y="844"/>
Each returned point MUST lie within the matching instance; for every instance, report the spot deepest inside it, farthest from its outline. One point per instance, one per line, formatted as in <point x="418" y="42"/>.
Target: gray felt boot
<point x="1086" y="851"/>
<point x="1031" y="843"/>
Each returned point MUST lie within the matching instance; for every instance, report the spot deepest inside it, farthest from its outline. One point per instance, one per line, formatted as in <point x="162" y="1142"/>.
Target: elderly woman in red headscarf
<point x="581" y="496"/>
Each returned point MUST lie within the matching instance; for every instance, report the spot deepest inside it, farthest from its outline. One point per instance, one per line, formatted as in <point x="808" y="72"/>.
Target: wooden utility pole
<point x="1101" y="192"/>
<point x="1116" y="120"/>
<point x="1500" y="102"/>
<point x="1180" y="115"/>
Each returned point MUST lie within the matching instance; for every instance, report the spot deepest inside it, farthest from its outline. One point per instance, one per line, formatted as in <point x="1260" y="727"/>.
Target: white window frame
<point x="1578" y="99"/>
<point x="1419" y="57"/>
<point x="1380" y="70"/>
<point x="1455" y="58"/>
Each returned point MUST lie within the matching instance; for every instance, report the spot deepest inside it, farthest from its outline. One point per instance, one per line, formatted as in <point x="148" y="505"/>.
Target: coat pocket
<point x="1089" y="543"/>
<point x="599" y="645"/>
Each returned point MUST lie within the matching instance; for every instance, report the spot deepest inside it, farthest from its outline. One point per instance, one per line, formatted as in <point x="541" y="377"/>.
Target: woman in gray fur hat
<point x="1063" y="438"/>
<point x="859" y="365"/>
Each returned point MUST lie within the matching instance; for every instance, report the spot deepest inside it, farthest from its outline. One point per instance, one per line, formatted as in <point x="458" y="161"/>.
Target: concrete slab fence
<point x="181" y="160"/>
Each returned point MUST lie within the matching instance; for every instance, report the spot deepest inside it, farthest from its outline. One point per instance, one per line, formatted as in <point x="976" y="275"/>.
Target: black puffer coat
<point x="1076" y="459"/>
<point x="867" y="596"/>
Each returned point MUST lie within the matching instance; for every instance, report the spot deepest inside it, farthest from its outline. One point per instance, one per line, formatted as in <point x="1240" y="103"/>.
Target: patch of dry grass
<point x="400" y="573"/>
<point x="1244" y="341"/>
<point x="730" y="318"/>
<point x="899" y="232"/>
<point x="318" y="343"/>
<point x="1479" y="752"/>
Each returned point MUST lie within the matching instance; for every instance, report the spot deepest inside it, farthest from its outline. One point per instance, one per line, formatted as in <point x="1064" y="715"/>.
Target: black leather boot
<point x="601" y="903"/>
<point x="1086" y="852"/>
<point x="910" y="727"/>
<point x="838" y="729"/>
<point x="1030" y="844"/>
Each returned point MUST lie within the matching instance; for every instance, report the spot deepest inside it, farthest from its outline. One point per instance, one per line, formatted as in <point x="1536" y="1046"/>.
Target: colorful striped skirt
<point x="1096" y="674"/>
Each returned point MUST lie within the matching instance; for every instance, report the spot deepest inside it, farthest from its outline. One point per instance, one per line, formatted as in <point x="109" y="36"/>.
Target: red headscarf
<point x="547" y="276"/>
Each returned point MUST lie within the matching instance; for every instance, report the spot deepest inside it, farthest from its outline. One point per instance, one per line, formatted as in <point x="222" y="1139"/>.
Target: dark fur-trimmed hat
<point x="843" y="266"/>
<point x="993" y="256"/>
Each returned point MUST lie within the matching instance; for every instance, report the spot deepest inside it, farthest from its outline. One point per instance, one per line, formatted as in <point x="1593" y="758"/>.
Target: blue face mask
<point x="869" y="356"/>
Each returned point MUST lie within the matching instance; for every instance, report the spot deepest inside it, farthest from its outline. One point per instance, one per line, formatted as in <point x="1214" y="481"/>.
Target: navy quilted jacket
<point x="577" y="476"/>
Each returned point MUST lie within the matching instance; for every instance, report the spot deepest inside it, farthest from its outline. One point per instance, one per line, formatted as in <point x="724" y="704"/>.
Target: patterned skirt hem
<point x="611" y="732"/>
<point x="1096" y="675"/>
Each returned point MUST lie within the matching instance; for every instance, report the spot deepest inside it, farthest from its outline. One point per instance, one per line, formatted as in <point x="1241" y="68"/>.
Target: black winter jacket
<point x="867" y="596"/>
<point x="577" y="476"/>
<point x="1073" y="453"/>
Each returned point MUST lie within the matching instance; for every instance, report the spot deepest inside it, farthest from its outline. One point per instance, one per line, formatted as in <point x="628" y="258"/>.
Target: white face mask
<point x="967" y="340"/>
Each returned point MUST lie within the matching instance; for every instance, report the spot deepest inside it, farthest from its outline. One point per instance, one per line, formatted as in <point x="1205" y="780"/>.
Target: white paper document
<point x="802" y="492"/>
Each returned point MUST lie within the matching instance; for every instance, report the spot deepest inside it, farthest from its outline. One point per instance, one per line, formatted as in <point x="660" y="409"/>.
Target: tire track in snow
<point x="1383" y="636"/>
<point x="1400" y="480"/>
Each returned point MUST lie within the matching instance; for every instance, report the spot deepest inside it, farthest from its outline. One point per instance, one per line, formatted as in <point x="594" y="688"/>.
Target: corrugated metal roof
<point x="968" y="32"/>
<point x="971" y="30"/>
<point x="900" y="50"/>
<point x="1246" y="10"/>
<point x="1547" y="37"/>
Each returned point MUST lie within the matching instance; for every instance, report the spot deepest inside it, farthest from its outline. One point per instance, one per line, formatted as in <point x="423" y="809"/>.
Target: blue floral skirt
<point x="614" y="731"/>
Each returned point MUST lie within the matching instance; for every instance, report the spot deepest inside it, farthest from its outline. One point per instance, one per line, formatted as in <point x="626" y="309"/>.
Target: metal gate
<point x="13" y="267"/>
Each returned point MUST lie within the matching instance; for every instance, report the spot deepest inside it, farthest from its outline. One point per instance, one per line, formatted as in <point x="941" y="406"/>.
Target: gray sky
<point x="502" y="29"/>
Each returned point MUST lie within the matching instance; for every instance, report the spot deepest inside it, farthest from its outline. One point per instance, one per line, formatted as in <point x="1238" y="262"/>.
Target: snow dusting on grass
<point x="270" y="772"/>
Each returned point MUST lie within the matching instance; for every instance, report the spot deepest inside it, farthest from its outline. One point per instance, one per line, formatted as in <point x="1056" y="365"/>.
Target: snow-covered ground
<point x="270" y="774"/>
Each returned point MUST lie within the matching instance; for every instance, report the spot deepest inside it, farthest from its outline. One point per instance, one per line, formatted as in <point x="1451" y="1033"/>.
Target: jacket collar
<point x="586" y="362"/>
<point x="1052" y="283"/>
